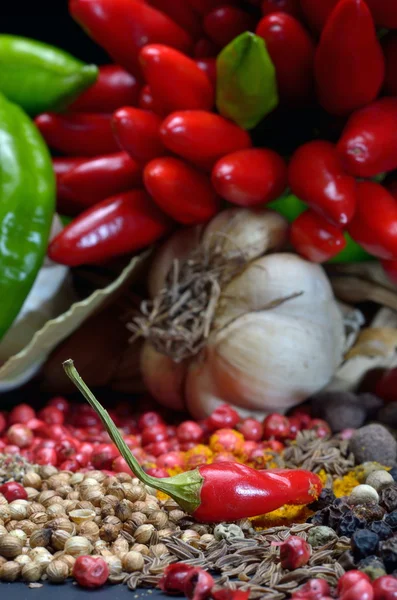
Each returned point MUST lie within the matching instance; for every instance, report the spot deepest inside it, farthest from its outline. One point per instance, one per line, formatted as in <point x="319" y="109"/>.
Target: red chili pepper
<point x="205" y="6"/>
<point x="208" y="66"/>
<point x="368" y="145"/>
<point x="292" y="52"/>
<point x="181" y="191"/>
<point x="182" y="13"/>
<point x="250" y="177"/>
<point x="290" y="7"/>
<point x="114" y="87"/>
<point x="147" y="102"/>
<point x="97" y="179"/>
<point x="316" y="176"/>
<point x="78" y="134"/>
<point x="205" y="48"/>
<point x="316" y="13"/>
<point x="225" y="23"/>
<point x="315" y="238"/>
<point x="389" y="45"/>
<point x="349" y="63"/>
<point x="118" y="225"/>
<point x="123" y="27"/>
<point x="64" y="164"/>
<point x="374" y="226"/>
<point x="175" y="80"/>
<point x="138" y="133"/>
<point x="202" y="137"/>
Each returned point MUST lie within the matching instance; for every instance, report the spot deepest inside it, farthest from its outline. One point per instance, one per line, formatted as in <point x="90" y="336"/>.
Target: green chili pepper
<point x="246" y="88"/>
<point x="39" y="77"/>
<point x="290" y="207"/>
<point x="27" y="201"/>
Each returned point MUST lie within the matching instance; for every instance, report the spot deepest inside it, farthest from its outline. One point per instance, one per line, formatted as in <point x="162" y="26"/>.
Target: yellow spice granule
<point x="285" y="515"/>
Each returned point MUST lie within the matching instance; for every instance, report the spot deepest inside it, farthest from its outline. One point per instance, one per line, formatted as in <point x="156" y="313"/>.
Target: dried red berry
<point x="294" y="553"/>
<point x="90" y="571"/>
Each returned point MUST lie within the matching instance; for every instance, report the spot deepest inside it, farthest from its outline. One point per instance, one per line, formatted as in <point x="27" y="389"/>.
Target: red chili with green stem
<point x="215" y="492"/>
<point x="349" y="63"/>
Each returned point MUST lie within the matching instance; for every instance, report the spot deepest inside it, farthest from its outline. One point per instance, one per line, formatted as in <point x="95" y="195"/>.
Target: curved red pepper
<point x="97" y="179"/>
<point x="123" y="27"/>
<point x="225" y="23"/>
<point x="349" y="64"/>
<point x="78" y="134"/>
<point x="316" y="176"/>
<point x="315" y="238"/>
<point x="250" y="177"/>
<point x="202" y="137"/>
<point x="147" y="102"/>
<point x="374" y="226"/>
<point x="290" y="7"/>
<point x="181" y="191"/>
<point x="292" y="52"/>
<point x="182" y="13"/>
<point x="118" y="225"/>
<point x="175" y="80"/>
<point x="389" y="45"/>
<point x="63" y="164"/>
<point x="114" y="87"/>
<point x="368" y="145"/>
<point x="138" y="133"/>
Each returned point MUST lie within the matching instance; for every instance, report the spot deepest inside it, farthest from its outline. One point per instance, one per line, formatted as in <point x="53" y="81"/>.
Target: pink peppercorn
<point x="12" y="490"/>
<point x="189" y="431"/>
<point x="90" y="571"/>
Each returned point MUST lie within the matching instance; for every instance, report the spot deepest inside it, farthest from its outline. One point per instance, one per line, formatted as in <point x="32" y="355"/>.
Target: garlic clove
<point x="200" y="391"/>
<point x="163" y="377"/>
<point x="246" y="232"/>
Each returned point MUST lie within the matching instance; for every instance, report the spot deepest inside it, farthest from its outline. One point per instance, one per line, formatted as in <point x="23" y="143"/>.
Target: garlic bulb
<point x="273" y="332"/>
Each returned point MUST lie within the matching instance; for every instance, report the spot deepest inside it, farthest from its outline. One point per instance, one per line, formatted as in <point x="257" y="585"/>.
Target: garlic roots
<point x="275" y="333"/>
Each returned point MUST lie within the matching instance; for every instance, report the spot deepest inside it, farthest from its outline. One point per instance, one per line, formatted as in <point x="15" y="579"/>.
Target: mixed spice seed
<point x="70" y="506"/>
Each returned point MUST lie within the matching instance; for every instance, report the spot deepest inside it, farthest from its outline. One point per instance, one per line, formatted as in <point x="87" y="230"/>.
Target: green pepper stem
<point x="183" y="488"/>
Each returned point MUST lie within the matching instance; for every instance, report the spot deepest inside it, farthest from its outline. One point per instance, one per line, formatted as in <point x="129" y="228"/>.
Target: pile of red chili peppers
<point x="173" y="130"/>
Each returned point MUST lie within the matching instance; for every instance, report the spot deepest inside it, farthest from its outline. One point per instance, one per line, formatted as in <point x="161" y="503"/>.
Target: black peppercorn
<point x="349" y="523"/>
<point x="382" y="529"/>
<point x="369" y="512"/>
<point x="326" y="498"/>
<point x="364" y="543"/>
<point x="388" y="497"/>
<point x="391" y="520"/>
<point x="388" y="553"/>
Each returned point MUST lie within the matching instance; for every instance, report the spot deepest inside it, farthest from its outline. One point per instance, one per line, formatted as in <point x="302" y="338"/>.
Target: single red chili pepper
<point x="389" y="45"/>
<point x="250" y="177"/>
<point x="368" y="145"/>
<point x="292" y="52"/>
<point x="114" y="87"/>
<point x="97" y="179"/>
<point x="138" y="133"/>
<point x="349" y="64"/>
<point x="290" y="7"/>
<point x="205" y="48"/>
<point x="374" y="226"/>
<point x="181" y="191"/>
<point x="225" y="23"/>
<point x="182" y="13"/>
<point x="218" y="491"/>
<point x="202" y="137"/>
<point x="315" y="238"/>
<point x="208" y="66"/>
<point x="123" y="27"/>
<point x="85" y="134"/>
<point x="316" y="13"/>
<point x="198" y="584"/>
<point x="64" y="164"/>
<point x="147" y="102"/>
<point x="118" y="225"/>
<point x="174" y="576"/>
<point x="175" y="80"/>
<point x="316" y="176"/>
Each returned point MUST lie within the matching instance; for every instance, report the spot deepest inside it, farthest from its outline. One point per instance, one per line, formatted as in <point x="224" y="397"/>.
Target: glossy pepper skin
<point x="180" y="190"/>
<point x="63" y="164"/>
<point x="225" y="23"/>
<point x="123" y="27"/>
<point x="175" y="80"/>
<point x="114" y="87"/>
<point x="315" y="238"/>
<point x="40" y="77"/>
<point x="374" y="225"/>
<point x="182" y="13"/>
<point x="96" y="179"/>
<point x="118" y="225"/>
<point x="138" y="133"/>
<point x="27" y="202"/>
<point x="80" y="134"/>
<point x="349" y="64"/>
<point x="292" y="52"/>
<point x="316" y="176"/>
<point x="208" y="66"/>
<point x="389" y="46"/>
<point x="202" y="137"/>
<point x="368" y="145"/>
<point x="250" y="177"/>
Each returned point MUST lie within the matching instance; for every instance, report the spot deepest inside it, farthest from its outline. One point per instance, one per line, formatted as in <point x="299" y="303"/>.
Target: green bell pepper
<point x="27" y="203"/>
<point x="39" y="77"/>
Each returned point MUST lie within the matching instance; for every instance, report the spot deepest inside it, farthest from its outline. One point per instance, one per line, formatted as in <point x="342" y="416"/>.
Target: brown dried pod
<point x="64" y="490"/>
<point x="207" y="539"/>
<point x="32" y="493"/>
<point x="141" y="548"/>
<point x="5" y="512"/>
<point x="41" y="537"/>
<point x="45" y="496"/>
<point x="76" y="478"/>
<point x="120" y="546"/>
<point x="32" y="479"/>
<point x="45" y="471"/>
<point x="94" y="495"/>
<point x="109" y="532"/>
<point x="3" y="500"/>
<point x="116" y="489"/>
<point x="114" y="564"/>
<point x="54" y="500"/>
<point x="176" y="515"/>
<point x="69" y="560"/>
<point x="69" y="505"/>
<point x="143" y="534"/>
<point x="57" y="571"/>
<point x="28" y="527"/>
<point x="170" y="504"/>
<point x="78" y="545"/>
<point x="10" y="546"/>
<point x="124" y="477"/>
<point x="75" y="495"/>
<point x="98" y="475"/>
<point x="132" y="561"/>
<point x="35" y="507"/>
<point x="59" y="539"/>
<point x="31" y="572"/>
<point x="159" y="550"/>
<point x="82" y="515"/>
<point x="20" y="534"/>
<point x="10" y="571"/>
<point x="165" y="533"/>
<point x="134" y="492"/>
<point x="23" y="559"/>
<point x="39" y="518"/>
<point x="56" y="510"/>
<point x="62" y="523"/>
<point x="3" y="530"/>
<point x="123" y="510"/>
<point x="189" y="535"/>
<point x="11" y="525"/>
<point x="158" y="518"/>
